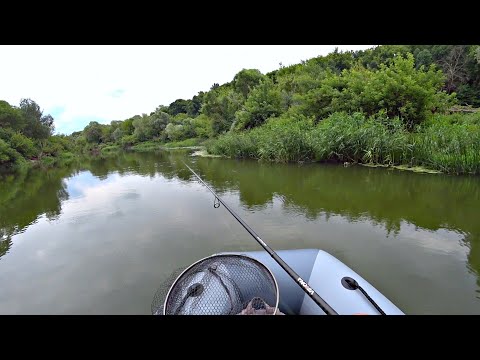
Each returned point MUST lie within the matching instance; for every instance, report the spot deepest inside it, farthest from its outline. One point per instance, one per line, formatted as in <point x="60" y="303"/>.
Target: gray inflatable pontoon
<point x="324" y="273"/>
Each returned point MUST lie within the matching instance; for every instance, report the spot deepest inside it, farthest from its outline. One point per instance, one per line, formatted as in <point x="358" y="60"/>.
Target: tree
<point x="159" y="121"/>
<point x="384" y="54"/>
<point x="203" y="126"/>
<point x="93" y="132"/>
<point x="22" y="144"/>
<point x="174" y="132"/>
<point x="37" y="126"/>
<point x="220" y="106"/>
<point x="11" y="117"/>
<point x="245" y="80"/>
<point x="263" y="102"/>
<point x="454" y="66"/>
<point x="127" y="127"/>
<point x="47" y="121"/>
<point x="143" y="128"/>
<point x="460" y="66"/>
<point x="423" y="57"/>
<point x="161" y="117"/>
<point x="194" y="105"/>
<point x="117" y="134"/>
<point x="336" y="61"/>
<point x="178" y="106"/>
<point x="7" y="154"/>
<point x="398" y="89"/>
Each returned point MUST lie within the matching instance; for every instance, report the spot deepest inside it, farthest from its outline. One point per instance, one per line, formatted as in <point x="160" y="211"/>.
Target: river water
<point x="99" y="237"/>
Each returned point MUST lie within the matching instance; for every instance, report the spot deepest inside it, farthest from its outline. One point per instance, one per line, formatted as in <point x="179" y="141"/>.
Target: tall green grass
<point x="356" y="138"/>
<point x="280" y="140"/>
<point x="110" y="150"/>
<point x="450" y="148"/>
<point x="449" y="143"/>
<point x="286" y="139"/>
<point x="453" y="119"/>
<point x="235" y="145"/>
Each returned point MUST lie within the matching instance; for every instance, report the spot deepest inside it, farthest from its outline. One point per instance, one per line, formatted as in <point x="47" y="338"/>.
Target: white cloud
<point x="105" y="83"/>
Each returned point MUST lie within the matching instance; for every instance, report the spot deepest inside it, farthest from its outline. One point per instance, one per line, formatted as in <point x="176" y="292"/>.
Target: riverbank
<point x="196" y="151"/>
<point x="46" y="162"/>
<point x="445" y="143"/>
<point x="417" y="169"/>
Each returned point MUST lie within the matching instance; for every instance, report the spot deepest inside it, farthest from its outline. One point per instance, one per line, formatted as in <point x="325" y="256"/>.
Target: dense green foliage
<point x="450" y="143"/>
<point x="26" y="134"/>
<point x="391" y="104"/>
<point x="398" y="90"/>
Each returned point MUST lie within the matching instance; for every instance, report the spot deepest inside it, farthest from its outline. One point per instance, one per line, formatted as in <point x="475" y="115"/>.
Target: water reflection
<point x="385" y="197"/>
<point x="26" y="197"/>
<point x="390" y="198"/>
<point x="436" y="212"/>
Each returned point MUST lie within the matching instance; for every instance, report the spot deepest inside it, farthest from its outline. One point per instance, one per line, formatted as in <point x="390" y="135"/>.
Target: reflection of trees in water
<point x="387" y="197"/>
<point x="356" y="193"/>
<point x="27" y="196"/>
<point x="5" y="242"/>
<point x="168" y="164"/>
<point x="62" y="195"/>
<point x="473" y="265"/>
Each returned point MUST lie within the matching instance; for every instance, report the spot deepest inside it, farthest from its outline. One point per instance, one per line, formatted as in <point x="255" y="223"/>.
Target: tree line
<point x="404" y="88"/>
<point x="27" y="134"/>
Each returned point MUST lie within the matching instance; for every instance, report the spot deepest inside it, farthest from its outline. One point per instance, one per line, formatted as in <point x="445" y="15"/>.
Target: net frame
<point x="244" y="256"/>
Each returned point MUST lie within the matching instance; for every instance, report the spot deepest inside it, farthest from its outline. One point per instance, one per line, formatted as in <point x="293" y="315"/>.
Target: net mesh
<point x="162" y="291"/>
<point x="223" y="285"/>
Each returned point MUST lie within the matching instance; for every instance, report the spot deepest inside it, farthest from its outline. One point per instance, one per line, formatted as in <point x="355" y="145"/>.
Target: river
<point x="99" y="237"/>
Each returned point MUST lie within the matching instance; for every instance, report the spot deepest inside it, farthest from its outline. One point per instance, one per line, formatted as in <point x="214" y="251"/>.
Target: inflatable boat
<point x="327" y="276"/>
<point x="330" y="278"/>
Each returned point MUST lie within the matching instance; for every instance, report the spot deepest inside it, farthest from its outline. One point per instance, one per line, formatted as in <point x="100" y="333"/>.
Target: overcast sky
<point x="77" y="84"/>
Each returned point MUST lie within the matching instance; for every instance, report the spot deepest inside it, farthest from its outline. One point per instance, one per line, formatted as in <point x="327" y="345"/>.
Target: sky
<point x="77" y="84"/>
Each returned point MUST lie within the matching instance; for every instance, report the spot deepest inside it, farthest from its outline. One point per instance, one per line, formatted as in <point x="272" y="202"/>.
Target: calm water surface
<point x="99" y="238"/>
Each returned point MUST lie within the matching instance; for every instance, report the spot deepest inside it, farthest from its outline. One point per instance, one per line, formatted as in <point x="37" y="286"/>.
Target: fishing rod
<point x="302" y="283"/>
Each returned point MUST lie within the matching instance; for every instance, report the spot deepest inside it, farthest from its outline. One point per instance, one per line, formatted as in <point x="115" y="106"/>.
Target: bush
<point x="48" y="161"/>
<point x="67" y="157"/>
<point x="127" y="141"/>
<point x="6" y="134"/>
<point x="10" y="158"/>
<point x="203" y="126"/>
<point x="23" y="145"/>
<point x="263" y="102"/>
<point x="51" y="147"/>
<point x="18" y="142"/>
<point x="399" y="89"/>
